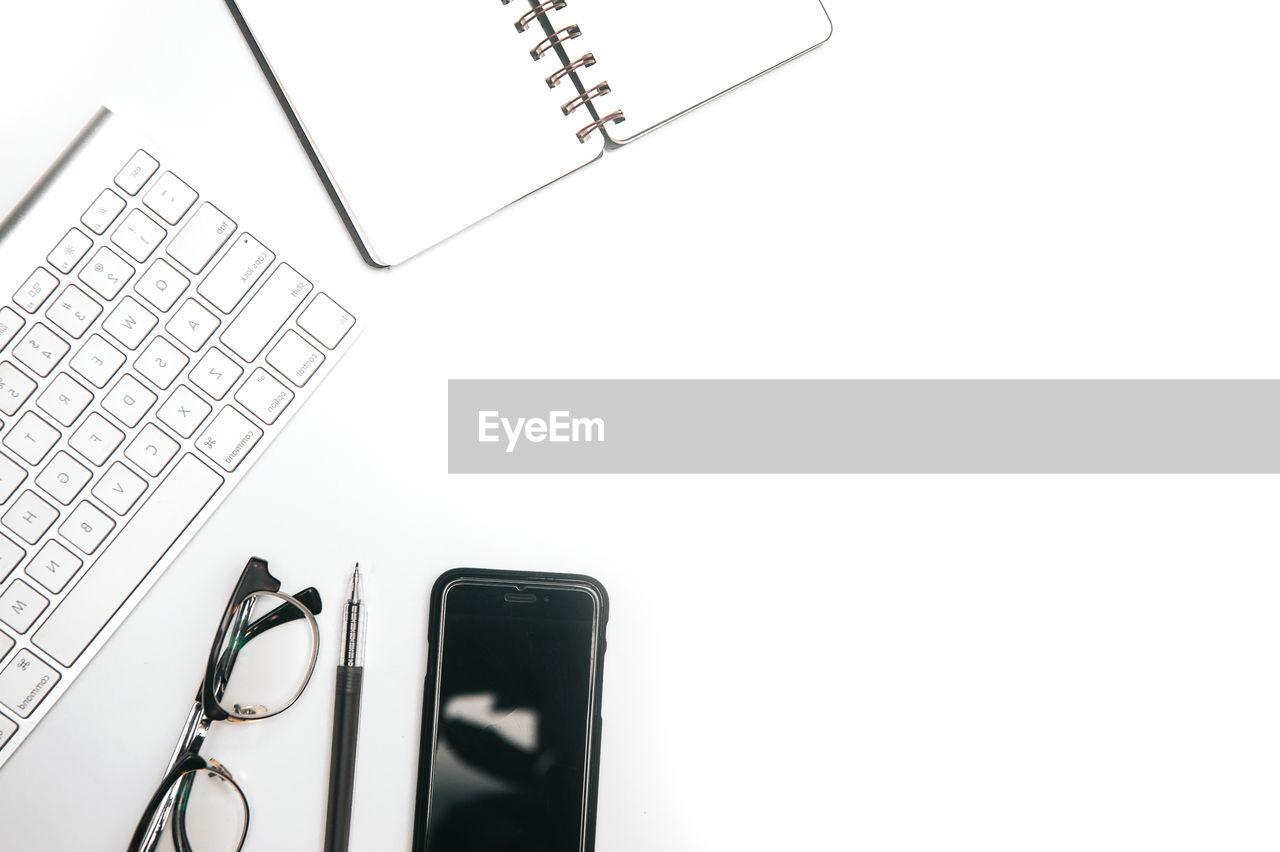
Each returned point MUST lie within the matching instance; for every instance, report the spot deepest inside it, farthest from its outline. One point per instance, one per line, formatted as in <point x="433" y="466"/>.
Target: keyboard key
<point x="54" y="566"/>
<point x="11" y="476"/>
<point x="138" y="235"/>
<point x="10" y="556"/>
<point x="32" y="293"/>
<point x="5" y="645"/>
<point x="204" y="234"/>
<point x="31" y="438"/>
<point x="64" y="399"/>
<point x="29" y="517"/>
<point x="106" y="273"/>
<point x="264" y="396"/>
<point x="63" y="477"/>
<point x="296" y="359"/>
<point x="269" y="309"/>
<point x="192" y="325"/>
<point x="326" y="321"/>
<point x="136" y="172"/>
<point x="7" y="728"/>
<point x="119" y="488"/>
<point x="161" y="362"/>
<point x="129" y="323"/>
<point x="41" y="349"/>
<point x="143" y="542"/>
<point x="152" y="449"/>
<point x="73" y="311"/>
<point x="129" y="400"/>
<point x="215" y="374"/>
<point x="102" y="212"/>
<point x="21" y="605"/>
<point x="25" y="682"/>
<point x="97" y="361"/>
<point x="183" y="412"/>
<point x="229" y="438"/>
<point x="67" y="253"/>
<point x="86" y="526"/>
<point x="96" y="439"/>
<point x="15" y="387"/>
<point x="161" y="284"/>
<point x="237" y="272"/>
<point x="170" y="198"/>
<point x="10" y="324"/>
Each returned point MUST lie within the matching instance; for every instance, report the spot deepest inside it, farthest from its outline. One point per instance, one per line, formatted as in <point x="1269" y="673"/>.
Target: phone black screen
<point x="514" y="709"/>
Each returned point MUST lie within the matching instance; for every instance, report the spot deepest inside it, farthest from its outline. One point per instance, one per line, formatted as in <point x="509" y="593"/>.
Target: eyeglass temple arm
<point x="256" y="577"/>
<point x="283" y="614"/>
<point x="178" y="825"/>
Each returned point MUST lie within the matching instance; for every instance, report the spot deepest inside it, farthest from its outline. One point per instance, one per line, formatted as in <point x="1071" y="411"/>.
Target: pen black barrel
<point x="342" y="776"/>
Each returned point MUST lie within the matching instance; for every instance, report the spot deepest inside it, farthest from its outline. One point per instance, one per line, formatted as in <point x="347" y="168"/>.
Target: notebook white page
<point x="661" y="60"/>
<point x="428" y="116"/>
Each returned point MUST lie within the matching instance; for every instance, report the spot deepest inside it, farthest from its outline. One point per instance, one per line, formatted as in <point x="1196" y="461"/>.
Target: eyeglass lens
<point x="265" y="657"/>
<point x="209" y="814"/>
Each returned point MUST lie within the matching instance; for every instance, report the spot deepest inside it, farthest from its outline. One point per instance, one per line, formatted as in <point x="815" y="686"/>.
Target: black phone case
<point x="429" y="698"/>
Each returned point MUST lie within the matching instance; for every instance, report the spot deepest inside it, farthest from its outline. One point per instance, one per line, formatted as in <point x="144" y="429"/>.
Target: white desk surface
<point x="990" y="189"/>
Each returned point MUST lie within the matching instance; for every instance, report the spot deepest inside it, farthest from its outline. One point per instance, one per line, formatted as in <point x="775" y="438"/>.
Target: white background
<point x="987" y="189"/>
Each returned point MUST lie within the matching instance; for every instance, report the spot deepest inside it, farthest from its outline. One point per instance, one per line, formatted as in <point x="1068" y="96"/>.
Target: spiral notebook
<point x="424" y="116"/>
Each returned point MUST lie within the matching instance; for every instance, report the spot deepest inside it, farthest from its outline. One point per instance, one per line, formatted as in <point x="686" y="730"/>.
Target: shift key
<point x="269" y="309"/>
<point x="206" y="232"/>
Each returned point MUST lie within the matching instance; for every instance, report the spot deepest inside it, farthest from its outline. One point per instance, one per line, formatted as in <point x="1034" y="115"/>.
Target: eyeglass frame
<point x="186" y="758"/>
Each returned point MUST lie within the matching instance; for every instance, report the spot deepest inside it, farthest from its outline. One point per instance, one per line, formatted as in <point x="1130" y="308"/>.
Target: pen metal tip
<point x="355" y="585"/>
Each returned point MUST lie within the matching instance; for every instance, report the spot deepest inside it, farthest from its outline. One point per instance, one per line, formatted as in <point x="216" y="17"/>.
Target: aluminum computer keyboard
<point x="150" y="348"/>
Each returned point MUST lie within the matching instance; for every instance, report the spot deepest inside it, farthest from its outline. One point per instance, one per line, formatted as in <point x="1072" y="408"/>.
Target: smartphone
<point x="510" y="752"/>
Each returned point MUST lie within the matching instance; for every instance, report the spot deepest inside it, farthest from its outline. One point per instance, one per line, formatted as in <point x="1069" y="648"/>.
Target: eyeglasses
<point x="261" y="660"/>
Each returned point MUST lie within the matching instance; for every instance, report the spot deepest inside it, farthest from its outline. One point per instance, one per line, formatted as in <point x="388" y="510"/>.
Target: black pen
<point x="346" y="721"/>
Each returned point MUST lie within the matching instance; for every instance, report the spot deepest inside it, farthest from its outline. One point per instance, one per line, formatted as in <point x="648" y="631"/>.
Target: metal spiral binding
<point x="586" y="132"/>
<point x="554" y="42"/>
<point x="540" y="9"/>
<point x="558" y="37"/>
<point x="590" y="94"/>
<point x="584" y="61"/>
